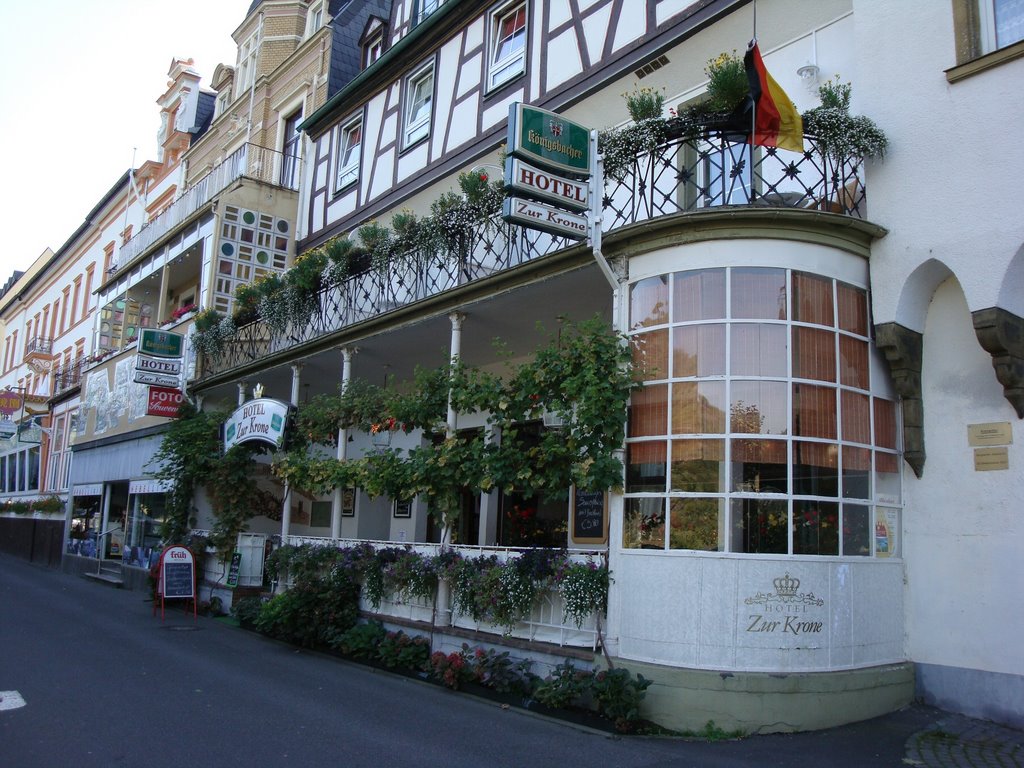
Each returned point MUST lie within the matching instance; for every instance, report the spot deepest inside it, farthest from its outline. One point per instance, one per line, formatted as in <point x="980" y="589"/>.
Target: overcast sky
<point x="78" y="90"/>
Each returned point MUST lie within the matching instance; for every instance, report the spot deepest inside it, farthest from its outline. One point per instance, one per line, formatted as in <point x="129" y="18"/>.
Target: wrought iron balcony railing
<point x="68" y="376"/>
<point x="694" y="172"/>
<point x="39" y="346"/>
<point x="685" y="174"/>
<point x="249" y="161"/>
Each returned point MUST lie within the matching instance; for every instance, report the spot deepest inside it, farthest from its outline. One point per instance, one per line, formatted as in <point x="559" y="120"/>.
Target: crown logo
<point x="786" y="585"/>
<point x="257" y="392"/>
<point x="556" y="128"/>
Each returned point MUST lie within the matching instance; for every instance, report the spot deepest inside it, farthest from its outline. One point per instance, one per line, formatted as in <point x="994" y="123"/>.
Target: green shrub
<point x="361" y="641"/>
<point x="564" y="687"/>
<point x="313" y="612"/>
<point x="618" y="696"/>
<point x="247" y="610"/>
<point x="401" y="651"/>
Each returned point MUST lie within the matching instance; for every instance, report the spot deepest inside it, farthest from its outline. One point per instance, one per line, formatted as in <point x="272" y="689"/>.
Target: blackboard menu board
<point x="179" y="580"/>
<point x="589" y="517"/>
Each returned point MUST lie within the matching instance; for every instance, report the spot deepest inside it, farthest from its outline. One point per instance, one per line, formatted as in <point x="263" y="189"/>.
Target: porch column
<point x="242" y="385"/>
<point x="456" y="319"/>
<point x="104" y="520"/>
<point x="161" y="304"/>
<point x="342" y="454"/>
<point x="488" y="535"/>
<point x="286" y="508"/>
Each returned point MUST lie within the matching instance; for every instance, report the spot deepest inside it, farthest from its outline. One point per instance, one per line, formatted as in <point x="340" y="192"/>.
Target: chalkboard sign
<point x="589" y="517"/>
<point x="236" y="565"/>
<point x="178" y="581"/>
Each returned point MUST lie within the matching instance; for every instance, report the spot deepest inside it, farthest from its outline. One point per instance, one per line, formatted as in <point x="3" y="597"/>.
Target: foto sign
<point x="544" y="185"/>
<point x="548" y="139"/>
<point x="160" y="343"/>
<point x="545" y="218"/>
<point x="262" y="419"/>
<point x="164" y="401"/>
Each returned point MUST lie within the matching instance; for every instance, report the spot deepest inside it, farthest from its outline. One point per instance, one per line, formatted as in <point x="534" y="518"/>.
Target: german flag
<point x="776" y="121"/>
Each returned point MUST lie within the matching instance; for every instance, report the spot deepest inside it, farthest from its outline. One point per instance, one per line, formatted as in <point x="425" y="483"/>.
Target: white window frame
<point x="247" y="53"/>
<point x="348" y="173"/>
<point x="426" y="7"/>
<point x="416" y="125"/>
<point x="373" y="49"/>
<point x="987" y="24"/>
<point x="223" y="102"/>
<point x="501" y="70"/>
<point x="315" y="17"/>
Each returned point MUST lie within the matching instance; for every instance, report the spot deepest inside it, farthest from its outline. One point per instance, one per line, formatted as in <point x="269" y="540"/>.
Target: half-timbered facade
<point x="775" y="495"/>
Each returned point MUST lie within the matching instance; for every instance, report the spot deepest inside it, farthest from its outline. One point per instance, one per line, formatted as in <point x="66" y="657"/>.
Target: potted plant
<point x="840" y="134"/>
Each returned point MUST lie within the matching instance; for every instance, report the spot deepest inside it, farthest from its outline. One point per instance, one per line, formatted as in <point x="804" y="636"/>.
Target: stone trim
<point x="1001" y="334"/>
<point x="903" y="349"/>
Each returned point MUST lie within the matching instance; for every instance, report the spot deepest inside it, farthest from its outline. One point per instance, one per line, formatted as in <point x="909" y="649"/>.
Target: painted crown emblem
<point x="556" y="128"/>
<point x="786" y="585"/>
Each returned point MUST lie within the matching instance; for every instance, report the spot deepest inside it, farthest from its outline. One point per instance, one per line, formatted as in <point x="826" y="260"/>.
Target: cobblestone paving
<point x="962" y="742"/>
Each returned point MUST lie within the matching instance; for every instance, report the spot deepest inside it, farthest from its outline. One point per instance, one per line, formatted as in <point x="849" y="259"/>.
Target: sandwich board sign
<point x="176" y="577"/>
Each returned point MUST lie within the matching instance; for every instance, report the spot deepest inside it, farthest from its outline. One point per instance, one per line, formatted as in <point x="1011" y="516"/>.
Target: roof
<point x="204" y="115"/>
<point x="349" y="22"/>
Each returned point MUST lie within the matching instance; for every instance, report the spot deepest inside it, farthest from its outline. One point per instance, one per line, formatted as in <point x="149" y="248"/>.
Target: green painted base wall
<point x="757" y="702"/>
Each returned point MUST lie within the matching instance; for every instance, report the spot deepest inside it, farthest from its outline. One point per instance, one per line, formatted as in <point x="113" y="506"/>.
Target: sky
<point x="78" y="91"/>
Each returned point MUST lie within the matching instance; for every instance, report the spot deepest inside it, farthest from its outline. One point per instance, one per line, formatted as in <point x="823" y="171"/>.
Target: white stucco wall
<point x="964" y="529"/>
<point x="947" y="189"/>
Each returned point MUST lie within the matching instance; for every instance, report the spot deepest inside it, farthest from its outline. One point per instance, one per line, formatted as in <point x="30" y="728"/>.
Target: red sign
<point x="164" y="401"/>
<point x="9" y="402"/>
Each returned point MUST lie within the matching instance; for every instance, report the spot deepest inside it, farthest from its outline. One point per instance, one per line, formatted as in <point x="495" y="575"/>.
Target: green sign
<point x="548" y="139"/>
<point x="160" y="343"/>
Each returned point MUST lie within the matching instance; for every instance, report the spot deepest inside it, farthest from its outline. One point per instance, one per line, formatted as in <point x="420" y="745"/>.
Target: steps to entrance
<point x="111" y="573"/>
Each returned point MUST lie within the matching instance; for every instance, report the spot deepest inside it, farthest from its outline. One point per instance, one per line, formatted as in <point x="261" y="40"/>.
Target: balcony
<point x="67" y="377"/>
<point x="686" y="175"/>
<point x="249" y="161"/>
<point x="40" y="346"/>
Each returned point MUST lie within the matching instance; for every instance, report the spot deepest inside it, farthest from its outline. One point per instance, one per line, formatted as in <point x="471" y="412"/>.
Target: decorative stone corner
<point x="1001" y="334"/>
<point x="903" y="348"/>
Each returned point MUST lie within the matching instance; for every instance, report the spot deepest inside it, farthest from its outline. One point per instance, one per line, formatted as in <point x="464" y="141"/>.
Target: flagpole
<point x="753" y="108"/>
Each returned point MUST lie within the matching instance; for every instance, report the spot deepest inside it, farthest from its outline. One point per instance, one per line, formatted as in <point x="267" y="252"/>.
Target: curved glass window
<point x="756" y="430"/>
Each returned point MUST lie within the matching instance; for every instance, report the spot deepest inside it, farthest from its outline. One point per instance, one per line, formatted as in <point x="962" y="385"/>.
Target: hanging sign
<point x="160" y="343"/>
<point x="9" y="402"/>
<point x="161" y="365"/>
<point x="544" y="217"/>
<point x="534" y="182"/>
<point x="164" y="401"/>
<point x="548" y="139"/>
<point x="262" y="419"/>
<point x="156" y="379"/>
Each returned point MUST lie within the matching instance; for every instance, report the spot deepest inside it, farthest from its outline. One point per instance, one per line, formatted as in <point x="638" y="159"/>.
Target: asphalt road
<point x="107" y="684"/>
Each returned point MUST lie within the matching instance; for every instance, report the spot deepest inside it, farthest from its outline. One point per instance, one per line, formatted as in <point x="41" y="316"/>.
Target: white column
<point x="342" y="454"/>
<point x="286" y="507"/>
<point x="104" y="520"/>
<point x="488" y="535"/>
<point x="456" y="319"/>
<point x="241" y="392"/>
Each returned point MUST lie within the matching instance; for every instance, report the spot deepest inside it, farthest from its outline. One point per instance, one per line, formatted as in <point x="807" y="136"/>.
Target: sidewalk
<point x="956" y="741"/>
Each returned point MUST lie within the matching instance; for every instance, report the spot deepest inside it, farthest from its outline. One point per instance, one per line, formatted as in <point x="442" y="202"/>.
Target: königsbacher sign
<point x="549" y="139"/>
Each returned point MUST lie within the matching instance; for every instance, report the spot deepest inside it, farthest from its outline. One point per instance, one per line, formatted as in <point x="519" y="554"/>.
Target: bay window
<point x="757" y="429"/>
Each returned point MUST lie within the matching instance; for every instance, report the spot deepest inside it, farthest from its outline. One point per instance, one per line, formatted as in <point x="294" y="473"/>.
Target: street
<point x="105" y="683"/>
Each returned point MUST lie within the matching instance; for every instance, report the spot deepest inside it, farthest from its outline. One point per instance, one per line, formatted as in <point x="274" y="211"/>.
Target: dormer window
<point x="373" y="49"/>
<point x="223" y="102"/>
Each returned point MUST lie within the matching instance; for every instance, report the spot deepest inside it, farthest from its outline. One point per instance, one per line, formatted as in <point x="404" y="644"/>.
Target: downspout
<point x="252" y="85"/>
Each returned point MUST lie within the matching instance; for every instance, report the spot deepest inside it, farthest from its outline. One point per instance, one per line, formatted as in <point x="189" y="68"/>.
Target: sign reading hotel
<point x="542" y="185"/>
<point x="262" y="419"/>
<point x="786" y="611"/>
<point x="542" y="146"/>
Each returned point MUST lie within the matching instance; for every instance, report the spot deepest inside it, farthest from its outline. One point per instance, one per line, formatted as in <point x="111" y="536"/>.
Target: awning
<point x="88" y="489"/>
<point x="149" y="485"/>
